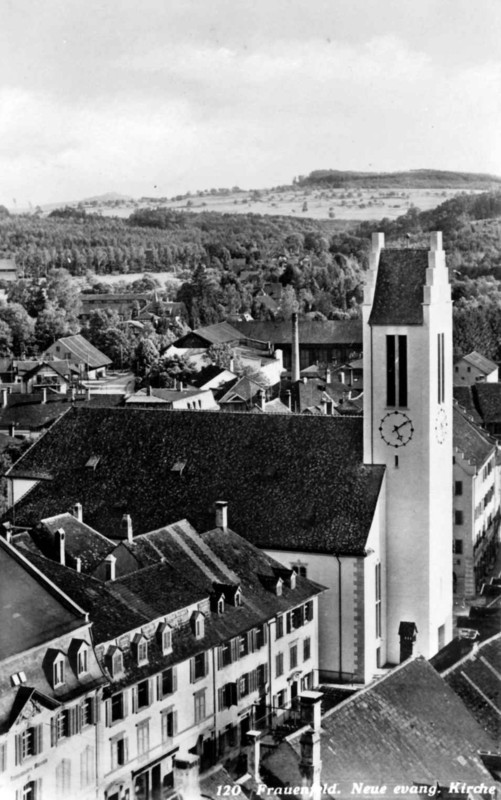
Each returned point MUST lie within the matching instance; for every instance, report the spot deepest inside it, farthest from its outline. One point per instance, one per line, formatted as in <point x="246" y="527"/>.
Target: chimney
<point x="310" y="764"/>
<point x="328" y="376"/>
<point x="148" y="391"/>
<point x="180" y="386"/>
<point x="186" y="776"/>
<point x="222" y="514"/>
<point x="288" y="395"/>
<point x="78" y="564"/>
<point x="323" y="405"/>
<point x="311" y="709"/>
<point x="12" y="429"/>
<point x="342" y="375"/>
<point x="253" y="754"/>
<point x="232" y="364"/>
<point x="44" y="394"/>
<point x="329" y="408"/>
<point x="110" y="563"/>
<point x="60" y="542"/>
<point x="262" y="399"/>
<point x="295" y="369"/>
<point x="5" y="396"/>
<point x="78" y="512"/>
<point x="126" y="531"/>
<point x="87" y="393"/>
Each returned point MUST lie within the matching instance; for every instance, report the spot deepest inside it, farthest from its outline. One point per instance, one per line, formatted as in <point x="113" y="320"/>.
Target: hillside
<point x="415" y="178"/>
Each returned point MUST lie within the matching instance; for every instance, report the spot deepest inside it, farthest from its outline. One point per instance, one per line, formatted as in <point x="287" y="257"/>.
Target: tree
<point x="63" y="293"/>
<point x="220" y="355"/>
<point x="145" y="357"/>
<point x="21" y="325"/>
<point x="51" y="324"/>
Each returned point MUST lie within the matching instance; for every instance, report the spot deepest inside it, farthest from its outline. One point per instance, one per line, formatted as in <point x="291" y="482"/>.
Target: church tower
<point x="408" y="428"/>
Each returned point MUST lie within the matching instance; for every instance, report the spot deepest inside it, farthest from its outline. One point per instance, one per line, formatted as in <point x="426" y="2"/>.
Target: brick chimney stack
<point x="78" y="512"/>
<point x="60" y="542"/>
<point x="222" y="514"/>
<point x="187" y="776"/>
<point x="126" y="531"/>
<point x="254" y="754"/>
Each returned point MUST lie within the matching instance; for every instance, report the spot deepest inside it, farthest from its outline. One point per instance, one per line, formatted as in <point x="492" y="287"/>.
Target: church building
<point x="359" y="505"/>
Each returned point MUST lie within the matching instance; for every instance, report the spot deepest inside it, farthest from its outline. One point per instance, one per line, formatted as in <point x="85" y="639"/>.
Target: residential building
<point x="189" y="631"/>
<point x="477" y="503"/>
<point x="50" y="688"/>
<point x="77" y="350"/>
<point x="190" y="398"/>
<point x="475" y="368"/>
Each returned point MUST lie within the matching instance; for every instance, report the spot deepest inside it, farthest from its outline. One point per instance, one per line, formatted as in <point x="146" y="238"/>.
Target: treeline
<point x="416" y="178"/>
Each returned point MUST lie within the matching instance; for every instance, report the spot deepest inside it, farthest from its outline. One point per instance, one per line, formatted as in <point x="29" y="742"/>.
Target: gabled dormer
<point x="140" y="649"/>
<point x="78" y="654"/>
<point x="197" y="623"/>
<point x="55" y="664"/>
<point x="164" y="637"/>
<point x="230" y="592"/>
<point x="115" y="661"/>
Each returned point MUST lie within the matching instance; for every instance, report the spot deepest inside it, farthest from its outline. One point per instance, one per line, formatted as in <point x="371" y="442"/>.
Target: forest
<point x="228" y="264"/>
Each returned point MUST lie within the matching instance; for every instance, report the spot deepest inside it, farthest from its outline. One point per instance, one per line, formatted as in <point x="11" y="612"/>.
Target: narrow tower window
<point x="440" y="368"/>
<point x="396" y="371"/>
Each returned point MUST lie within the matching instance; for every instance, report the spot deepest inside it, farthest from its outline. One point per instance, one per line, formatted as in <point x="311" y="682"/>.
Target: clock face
<point x="396" y="429"/>
<point x="441" y="425"/>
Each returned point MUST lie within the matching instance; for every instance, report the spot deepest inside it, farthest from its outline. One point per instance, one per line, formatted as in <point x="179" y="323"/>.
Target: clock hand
<point x="397" y="427"/>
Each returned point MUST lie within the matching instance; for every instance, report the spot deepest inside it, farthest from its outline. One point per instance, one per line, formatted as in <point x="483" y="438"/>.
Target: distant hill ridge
<point x="427" y="178"/>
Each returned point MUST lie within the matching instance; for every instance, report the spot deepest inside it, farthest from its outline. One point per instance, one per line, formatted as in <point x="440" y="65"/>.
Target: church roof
<point x="398" y="297"/>
<point x="292" y="483"/>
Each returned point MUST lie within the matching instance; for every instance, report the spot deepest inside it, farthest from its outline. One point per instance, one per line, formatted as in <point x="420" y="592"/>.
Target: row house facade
<point x="190" y="655"/>
<point x="477" y="503"/>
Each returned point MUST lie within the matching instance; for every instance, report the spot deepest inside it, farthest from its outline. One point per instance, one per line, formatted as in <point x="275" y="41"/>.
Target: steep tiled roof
<point x="32" y="612"/>
<point x="488" y="396"/>
<point x="465" y="397"/>
<point x="474" y="444"/>
<point x="219" y="333"/>
<point x="477" y="681"/>
<point x="291" y="482"/>
<point x="84" y="351"/>
<point x="81" y="541"/>
<point x="310" y="331"/>
<point x="244" y="388"/>
<point x="398" y="296"/>
<point x="407" y="728"/>
<point x="480" y="362"/>
<point x="28" y="410"/>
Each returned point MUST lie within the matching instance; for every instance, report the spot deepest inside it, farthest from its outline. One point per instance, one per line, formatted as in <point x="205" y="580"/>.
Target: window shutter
<point x="234" y="650"/>
<point x="252" y="680"/>
<point x="37" y="739"/>
<point x="134" y="699"/>
<point x="38" y="789"/>
<point x="107" y="711"/>
<point x="206" y="665"/>
<point x="174" y="679"/>
<point x="233" y="694"/>
<point x="192" y="670"/>
<point x="126" y="750"/>
<point x="219" y="657"/>
<point x="125" y="702"/>
<point x="19" y="749"/>
<point x="220" y="698"/>
<point x="174" y="723"/>
<point x="150" y="691"/>
<point x="159" y="687"/>
<point x="265" y="633"/>
<point x="265" y="673"/>
<point x="53" y="732"/>
<point x="252" y="640"/>
<point x="289" y="622"/>
<point x="94" y="710"/>
<point x="249" y="641"/>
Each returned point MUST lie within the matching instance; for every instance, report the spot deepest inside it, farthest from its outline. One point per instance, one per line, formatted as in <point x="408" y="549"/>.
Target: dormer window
<point x="164" y="634"/>
<point x="279" y="587"/>
<point x="140" y="646"/>
<point x="82" y="661"/>
<point x="220" y="605"/>
<point x="237" y="598"/>
<point x="197" y="623"/>
<point x="292" y="580"/>
<point x="115" y="661"/>
<point x="58" y="671"/>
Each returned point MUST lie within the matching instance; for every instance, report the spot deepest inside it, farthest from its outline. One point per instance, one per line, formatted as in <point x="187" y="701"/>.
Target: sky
<point x="161" y="97"/>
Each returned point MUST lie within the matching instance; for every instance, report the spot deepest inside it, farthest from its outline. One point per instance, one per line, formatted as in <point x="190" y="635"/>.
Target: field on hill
<point x="354" y="205"/>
